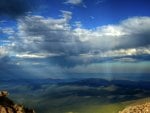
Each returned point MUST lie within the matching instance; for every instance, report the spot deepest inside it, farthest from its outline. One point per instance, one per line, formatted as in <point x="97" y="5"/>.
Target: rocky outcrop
<point x="142" y="108"/>
<point x="8" y="106"/>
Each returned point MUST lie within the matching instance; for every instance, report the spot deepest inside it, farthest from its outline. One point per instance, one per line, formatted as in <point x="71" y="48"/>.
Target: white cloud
<point x="36" y="55"/>
<point x="41" y="37"/>
<point x="30" y="56"/>
<point x="78" y="24"/>
<point x="120" y="54"/>
<point x="3" y="52"/>
<point x="74" y="2"/>
<point x="57" y="35"/>
<point x="136" y="24"/>
<point x="130" y="33"/>
<point x="127" y="52"/>
<point x="8" y="31"/>
<point x="66" y="15"/>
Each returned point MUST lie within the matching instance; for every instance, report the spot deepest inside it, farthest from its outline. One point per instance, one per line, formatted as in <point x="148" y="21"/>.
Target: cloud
<point x="122" y="55"/>
<point x="77" y="24"/>
<point x="74" y="2"/>
<point x="3" y="52"/>
<point x="7" y="30"/>
<point x="36" y="55"/>
<point x="54" y="42"/>
<point x="130" y="33"/>
<point x="46" y="34"/>
<point x="111" y="67"/>
<point x="126" y="52"/>
<point x="56" y="36"/>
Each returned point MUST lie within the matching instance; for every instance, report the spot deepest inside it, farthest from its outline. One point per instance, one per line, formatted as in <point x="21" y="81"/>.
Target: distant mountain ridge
<point x="95" y="82"/>
<point x="92" y="82"/>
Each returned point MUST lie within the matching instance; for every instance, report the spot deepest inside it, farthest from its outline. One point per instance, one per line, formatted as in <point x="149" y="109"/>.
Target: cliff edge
<point x="141" y="108"/>
<point x="8" y="106"/>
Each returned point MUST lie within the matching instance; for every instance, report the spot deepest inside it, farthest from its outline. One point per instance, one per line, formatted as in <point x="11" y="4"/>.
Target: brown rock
<point x="3" y="93"/>
<point x="8" y="106"/>
<point x="142" y="108"/>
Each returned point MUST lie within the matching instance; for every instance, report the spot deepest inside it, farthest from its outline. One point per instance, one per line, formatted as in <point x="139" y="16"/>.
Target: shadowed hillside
<point x="8" y="106"/>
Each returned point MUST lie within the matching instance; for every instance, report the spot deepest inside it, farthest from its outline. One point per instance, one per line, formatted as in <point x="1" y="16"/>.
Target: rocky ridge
<point x="142" y="108"/>
<point x="8" y="106"/>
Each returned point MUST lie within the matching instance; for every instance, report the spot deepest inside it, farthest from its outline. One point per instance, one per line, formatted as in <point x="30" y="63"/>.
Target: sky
<point x="69" y="38"/>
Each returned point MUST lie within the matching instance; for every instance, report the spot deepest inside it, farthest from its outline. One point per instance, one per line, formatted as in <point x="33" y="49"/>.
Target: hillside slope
<point x="8" y="106"/>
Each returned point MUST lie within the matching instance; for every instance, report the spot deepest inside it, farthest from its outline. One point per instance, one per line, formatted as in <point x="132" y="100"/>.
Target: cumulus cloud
<point x="46" y="34"/>
<point x="105" y="38"/>
<point x="62" y="44"/>
<point x="129" y="33"/>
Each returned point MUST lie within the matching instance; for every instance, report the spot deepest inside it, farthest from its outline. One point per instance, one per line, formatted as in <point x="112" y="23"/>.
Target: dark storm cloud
<point x="15" y="8"/>
<point x="133" y="41"/>
<point x="51" y="35"/>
